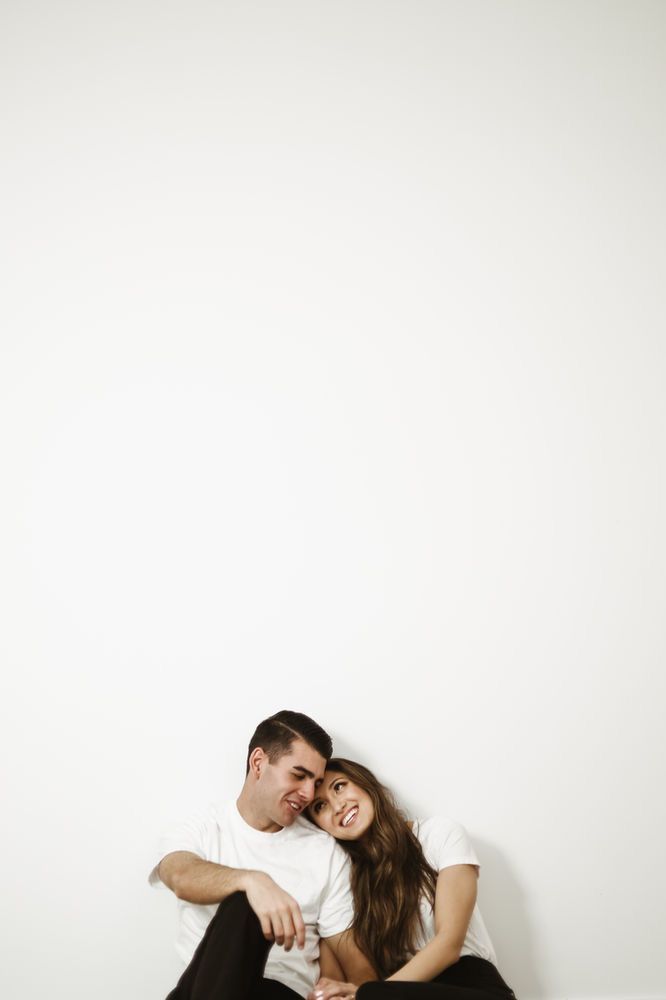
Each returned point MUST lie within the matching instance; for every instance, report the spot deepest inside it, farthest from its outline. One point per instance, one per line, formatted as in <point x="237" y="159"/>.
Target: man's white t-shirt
<point x="446" y="843"/>
<point x="301" y="859"/>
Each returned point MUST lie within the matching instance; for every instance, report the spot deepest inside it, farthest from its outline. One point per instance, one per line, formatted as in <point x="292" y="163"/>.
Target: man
<point x="254" y="873"/>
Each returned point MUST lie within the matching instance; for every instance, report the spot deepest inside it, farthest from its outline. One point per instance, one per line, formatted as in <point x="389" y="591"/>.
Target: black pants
<point x="229" y="962"/>
<point x="229" y="965"/>
<point x="470" y="978"/>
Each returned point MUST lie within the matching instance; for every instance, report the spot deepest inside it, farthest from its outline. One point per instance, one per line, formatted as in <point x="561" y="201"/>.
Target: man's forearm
<point x="198" y="881"/>
<point x="204" y="882"/>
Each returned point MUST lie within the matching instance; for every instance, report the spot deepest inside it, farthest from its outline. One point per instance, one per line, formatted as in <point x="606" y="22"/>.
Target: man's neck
<point x="253" y="814"/>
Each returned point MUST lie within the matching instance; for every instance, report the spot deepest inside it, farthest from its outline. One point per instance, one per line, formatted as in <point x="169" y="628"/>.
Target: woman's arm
<point x="454" y="902"/>
<point x="355" y="967"/>
<point x="351" y="963"/>
<point x="329" y="967"/>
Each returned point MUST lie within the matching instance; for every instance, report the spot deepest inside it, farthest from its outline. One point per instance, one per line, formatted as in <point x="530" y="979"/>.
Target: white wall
<point x="333" y="379"/>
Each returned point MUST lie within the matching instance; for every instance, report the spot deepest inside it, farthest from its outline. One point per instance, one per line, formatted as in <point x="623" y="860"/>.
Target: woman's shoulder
<point x="435" y="824"/>
<point x="446" y="840"/>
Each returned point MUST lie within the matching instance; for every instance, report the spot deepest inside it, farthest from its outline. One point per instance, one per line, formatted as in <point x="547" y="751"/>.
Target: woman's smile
<point x="349" y="816"/>
<point x="342" y="808"/>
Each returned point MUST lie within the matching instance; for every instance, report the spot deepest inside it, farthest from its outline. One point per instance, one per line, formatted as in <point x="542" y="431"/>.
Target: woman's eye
<point x="338" y="785"/>
<point x="316" y="807"/>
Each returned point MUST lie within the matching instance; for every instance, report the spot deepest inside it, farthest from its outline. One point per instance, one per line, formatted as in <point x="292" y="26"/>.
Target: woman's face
<point x="342" y="808"/>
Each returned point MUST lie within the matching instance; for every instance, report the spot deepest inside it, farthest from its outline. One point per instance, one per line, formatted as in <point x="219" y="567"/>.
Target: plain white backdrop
<point x="332" y="378"/>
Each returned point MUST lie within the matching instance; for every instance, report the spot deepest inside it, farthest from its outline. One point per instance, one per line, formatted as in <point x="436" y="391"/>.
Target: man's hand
<point x="279" y="913"/>
<point x="328" y="989"/>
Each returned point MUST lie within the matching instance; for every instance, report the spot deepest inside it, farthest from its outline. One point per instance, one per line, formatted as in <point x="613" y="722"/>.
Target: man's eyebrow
<point x="303" y="770"/>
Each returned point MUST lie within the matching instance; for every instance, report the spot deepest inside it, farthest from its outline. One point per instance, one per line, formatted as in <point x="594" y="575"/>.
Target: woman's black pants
<point x="470" y="978"/>
<point x="229" y="962"/>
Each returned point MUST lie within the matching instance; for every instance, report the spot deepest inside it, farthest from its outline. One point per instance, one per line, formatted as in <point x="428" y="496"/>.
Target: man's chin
<point x="289" y="816"/>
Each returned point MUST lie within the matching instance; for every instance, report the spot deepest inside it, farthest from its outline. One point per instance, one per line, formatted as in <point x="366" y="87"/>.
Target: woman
<point x="414" y="887"/>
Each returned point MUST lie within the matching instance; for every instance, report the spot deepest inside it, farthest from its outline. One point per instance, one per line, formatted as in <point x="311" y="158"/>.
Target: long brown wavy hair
<point x="389" y="874"/>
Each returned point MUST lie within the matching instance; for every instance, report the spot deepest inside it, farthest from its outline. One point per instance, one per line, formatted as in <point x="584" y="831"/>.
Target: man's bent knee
<point x="237" y="910"/>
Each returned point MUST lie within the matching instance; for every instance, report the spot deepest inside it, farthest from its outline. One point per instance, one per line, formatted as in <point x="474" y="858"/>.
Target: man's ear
<point x="258" y="761"/>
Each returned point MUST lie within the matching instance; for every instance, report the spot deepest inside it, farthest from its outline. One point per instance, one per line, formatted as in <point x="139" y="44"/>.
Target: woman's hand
<point x="328" y="989"/>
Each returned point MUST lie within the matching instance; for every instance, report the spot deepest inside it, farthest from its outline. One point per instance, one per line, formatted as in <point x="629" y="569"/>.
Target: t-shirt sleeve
<point x="337" y="908"/>
<point x="446" y="843"/>
<point x="188" y="836"/>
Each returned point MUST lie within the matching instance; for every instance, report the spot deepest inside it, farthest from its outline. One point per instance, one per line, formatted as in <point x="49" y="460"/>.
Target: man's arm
<point x="198" y="881"/>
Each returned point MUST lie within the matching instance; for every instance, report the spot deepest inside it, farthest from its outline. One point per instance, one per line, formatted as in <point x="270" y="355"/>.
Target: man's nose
<point x="307" y="790"/>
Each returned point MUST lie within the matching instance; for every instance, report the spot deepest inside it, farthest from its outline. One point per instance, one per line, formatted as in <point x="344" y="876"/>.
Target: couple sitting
<point x="273" y="909"/>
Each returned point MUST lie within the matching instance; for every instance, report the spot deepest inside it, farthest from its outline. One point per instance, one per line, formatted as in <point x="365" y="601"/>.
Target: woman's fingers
<point x="330" y="989"/>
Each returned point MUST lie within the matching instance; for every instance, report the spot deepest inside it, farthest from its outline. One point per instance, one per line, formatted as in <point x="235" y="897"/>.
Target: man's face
<point x="285" y="788"/>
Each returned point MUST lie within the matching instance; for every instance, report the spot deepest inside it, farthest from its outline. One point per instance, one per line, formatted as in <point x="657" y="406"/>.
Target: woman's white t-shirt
<point x="446" y="843"/>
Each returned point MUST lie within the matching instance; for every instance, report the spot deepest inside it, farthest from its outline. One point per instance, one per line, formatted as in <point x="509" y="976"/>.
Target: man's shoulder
<point x="303" y="829"/>
<point x="328" y="869"/>
<point x="213" y="812"/>
<point x="307" y="834"/>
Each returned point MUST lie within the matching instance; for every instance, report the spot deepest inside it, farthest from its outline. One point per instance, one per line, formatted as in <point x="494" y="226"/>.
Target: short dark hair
<point x="276" y="734"/>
